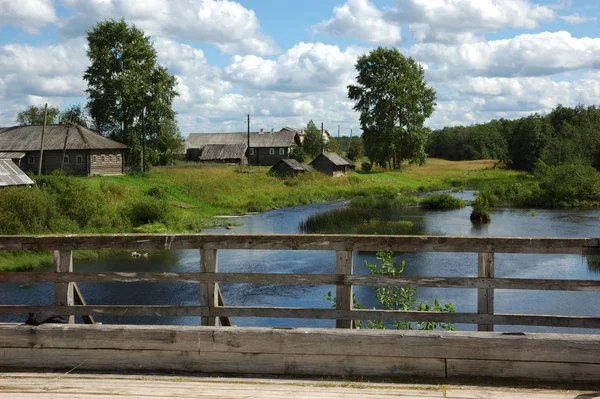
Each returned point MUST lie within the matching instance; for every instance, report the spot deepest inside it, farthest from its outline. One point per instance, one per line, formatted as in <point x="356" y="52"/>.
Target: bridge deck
<point x="97" y="386"/>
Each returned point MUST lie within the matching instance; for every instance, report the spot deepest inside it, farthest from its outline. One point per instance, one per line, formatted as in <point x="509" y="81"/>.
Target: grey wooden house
<point x="266" y="148"/>
<point x="333" y="164"/>
<point x="74" y="149"/>
<point x="290" y="167"/>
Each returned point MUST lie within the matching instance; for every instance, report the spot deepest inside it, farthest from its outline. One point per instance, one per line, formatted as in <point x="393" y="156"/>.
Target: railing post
<point x="485" y="296"/>
<point x="63" y="292"/>
<point x="343" y="293"/>
<point x="208" y="291"/>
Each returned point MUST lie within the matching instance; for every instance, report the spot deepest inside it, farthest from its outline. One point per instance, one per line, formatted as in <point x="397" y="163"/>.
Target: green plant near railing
<point x="397" y="298"/>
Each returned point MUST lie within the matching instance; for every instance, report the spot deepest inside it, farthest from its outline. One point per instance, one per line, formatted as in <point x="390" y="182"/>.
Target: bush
<point x="570" y="184"/>
<point x="149" y="210"/>
<point x="157" y="192"/>
<point x="442" y="201"/>
<point x="353" y="179"/>
<point x="299" y="155"/>
<point x="481" y="210"/>
<point x="366" y="167"/>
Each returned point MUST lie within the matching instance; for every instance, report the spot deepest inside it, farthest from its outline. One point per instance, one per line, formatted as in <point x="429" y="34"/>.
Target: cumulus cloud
<point x="306" y="67"/>
<point x="30" y="15"/>
<point x="524" y="55"/>
<point x="226" y="24"/>
<point x="362" y="20"/>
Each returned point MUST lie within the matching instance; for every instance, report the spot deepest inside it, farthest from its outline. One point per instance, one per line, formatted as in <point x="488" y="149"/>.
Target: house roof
<point x="295" y="165"/>
<point x="335" y="159"/>
<point x="11" y="175"/>
<point x="276" y="139"/>
<point x="223" y="151"/>
<point x="28" y="138"/>
<point x="11" y="155"/>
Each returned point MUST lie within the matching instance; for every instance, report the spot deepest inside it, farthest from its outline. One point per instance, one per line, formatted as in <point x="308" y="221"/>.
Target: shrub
<point x="299" y="155"/>
<point x="569" y="184"/>
<point x="157" y="192"/>
<point x="481" y="210"/>
<point x="442" y="201"/>
<point x="353" y="179"/>
<point x="366" y="166"/>
<point x="149" y="210"/>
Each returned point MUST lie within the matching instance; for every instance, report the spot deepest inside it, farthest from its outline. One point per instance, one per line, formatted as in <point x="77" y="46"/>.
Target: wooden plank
<point x="567" y="348"/>
<point x="225" y="321"/>
<point x="325" y="242"/>
<point x="78" y="299"/>
<point x="301" y="279"/>
<point x="343" y="294"/>
<point x="551" y="371"/>
<point x="208" y="296"/>
<point x="307" y="313"/>
<point x="218" y="362"/>
<point x="63" y="292"/>
<point x="485" y="296"/>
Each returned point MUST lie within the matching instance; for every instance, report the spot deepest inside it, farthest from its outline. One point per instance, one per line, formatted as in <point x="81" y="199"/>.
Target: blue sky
<point x="287" y="62"/>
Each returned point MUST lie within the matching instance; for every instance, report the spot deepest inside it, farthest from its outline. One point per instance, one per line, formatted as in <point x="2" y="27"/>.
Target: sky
<point x="286" y="62"/>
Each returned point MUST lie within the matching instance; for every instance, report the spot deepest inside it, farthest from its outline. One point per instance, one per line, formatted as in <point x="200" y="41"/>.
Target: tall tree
<point x="312" y="140"/>
<point x="76" y="114"/>
<point x="394" y="101"/>
<point x="35" y="116"/>
<point x="130" y="94"/>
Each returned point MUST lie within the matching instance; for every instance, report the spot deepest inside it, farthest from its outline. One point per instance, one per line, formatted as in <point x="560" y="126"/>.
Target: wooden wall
<point x="52" y="161"/>
<point x="298" y="352"/>
<point x="106" y="162"/>
<point x="262" y="157"/>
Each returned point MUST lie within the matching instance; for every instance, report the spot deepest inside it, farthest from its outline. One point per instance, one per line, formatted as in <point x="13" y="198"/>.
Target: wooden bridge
<point x="344" y="351"/>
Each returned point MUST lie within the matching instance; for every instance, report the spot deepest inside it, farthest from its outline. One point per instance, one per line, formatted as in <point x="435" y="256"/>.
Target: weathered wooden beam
<point x="63" y="292"/>
<point x="108" y="310"/>
<point x="485" y="296"/>
<point x="208" y="291"/>
<point x="326" y="242"/>
<point x="78" y="299"/>
<point x="343" y="293"/>
<point x="309" y="279"/>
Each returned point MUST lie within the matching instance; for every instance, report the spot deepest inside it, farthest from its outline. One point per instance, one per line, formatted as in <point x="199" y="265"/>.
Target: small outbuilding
<point x="290" y="167"/>
<point x="11" y="175"/>
<point x="333" y="164"/>
<point x="224" y="153"/>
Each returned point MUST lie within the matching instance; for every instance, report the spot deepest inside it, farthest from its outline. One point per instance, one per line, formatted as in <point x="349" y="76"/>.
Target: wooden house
<point x="265" y="148"/>
<point x="11" y="175"/>
<point x="290" y="167"/>
<point x="301" y="133"/>
<point x="333" y="164"/>
<point x="73" y="149"/>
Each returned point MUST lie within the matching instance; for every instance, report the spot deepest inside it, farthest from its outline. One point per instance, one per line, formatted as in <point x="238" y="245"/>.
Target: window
<point x="31" y="159"/>
<point x="102" y="159"/>
<point x="79" y="159"/>
<point x="271" y="151"/>
<point x="251" y="151"/>
<point x="118" y="157"/>
<point x="110" y="159"/>
<point x="93" y="159"/>
<point x="66" y="159"/>
<point x="282" y="151"/>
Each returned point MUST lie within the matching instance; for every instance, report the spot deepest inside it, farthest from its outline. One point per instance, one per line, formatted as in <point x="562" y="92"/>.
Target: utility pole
<point x="143" y="137"/>
<point x="321" y="137"/>
<point x="248" y="139"/>
<point x="42" y="145"/>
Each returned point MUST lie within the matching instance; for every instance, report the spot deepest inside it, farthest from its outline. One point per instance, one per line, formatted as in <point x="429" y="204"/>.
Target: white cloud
<point x="577" y="19"/>
<point x="30" y="15"/>
<point x="362" y="20"/>
<point x="524" y="55"/>
<point x="226" y="24"/>
<point x="306" y="67"/>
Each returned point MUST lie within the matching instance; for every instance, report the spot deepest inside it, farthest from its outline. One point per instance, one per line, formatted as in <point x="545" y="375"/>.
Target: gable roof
<point x="11" y="155"/>
<point x="295" y="165"/>
<point x="275" y="139"/>
<point x="223" y="151"/>
<point x="335" y="159"/>
<point x="11" y="175"/>
<point x="28" y="138"/>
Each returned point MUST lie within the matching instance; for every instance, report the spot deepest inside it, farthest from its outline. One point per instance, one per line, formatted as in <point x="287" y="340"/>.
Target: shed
<point x="333" y="164"/>
<point x="290" y="167"/>
<point x="224" y="153"/>
<point x="11" y="175"/>
<point x="74" y="148"/>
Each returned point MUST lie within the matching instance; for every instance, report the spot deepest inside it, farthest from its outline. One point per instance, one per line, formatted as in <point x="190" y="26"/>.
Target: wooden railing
<point x="212" y="308"/>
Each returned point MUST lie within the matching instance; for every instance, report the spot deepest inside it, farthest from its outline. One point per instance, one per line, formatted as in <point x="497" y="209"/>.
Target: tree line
<point x="564" y="135"/>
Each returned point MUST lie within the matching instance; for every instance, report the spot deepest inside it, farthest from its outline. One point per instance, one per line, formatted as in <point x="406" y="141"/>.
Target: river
<point x="505" y="222"/>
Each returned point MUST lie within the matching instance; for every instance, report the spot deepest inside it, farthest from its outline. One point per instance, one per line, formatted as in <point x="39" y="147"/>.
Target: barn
<point x="290" y="167"/>
<point x="266" y="148"/>
<point x="333" y="164"/>
<point x="70" y="148"/>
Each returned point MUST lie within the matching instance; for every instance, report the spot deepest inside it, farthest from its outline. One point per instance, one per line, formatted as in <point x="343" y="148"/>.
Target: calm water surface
<point x="505" y="222"/>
